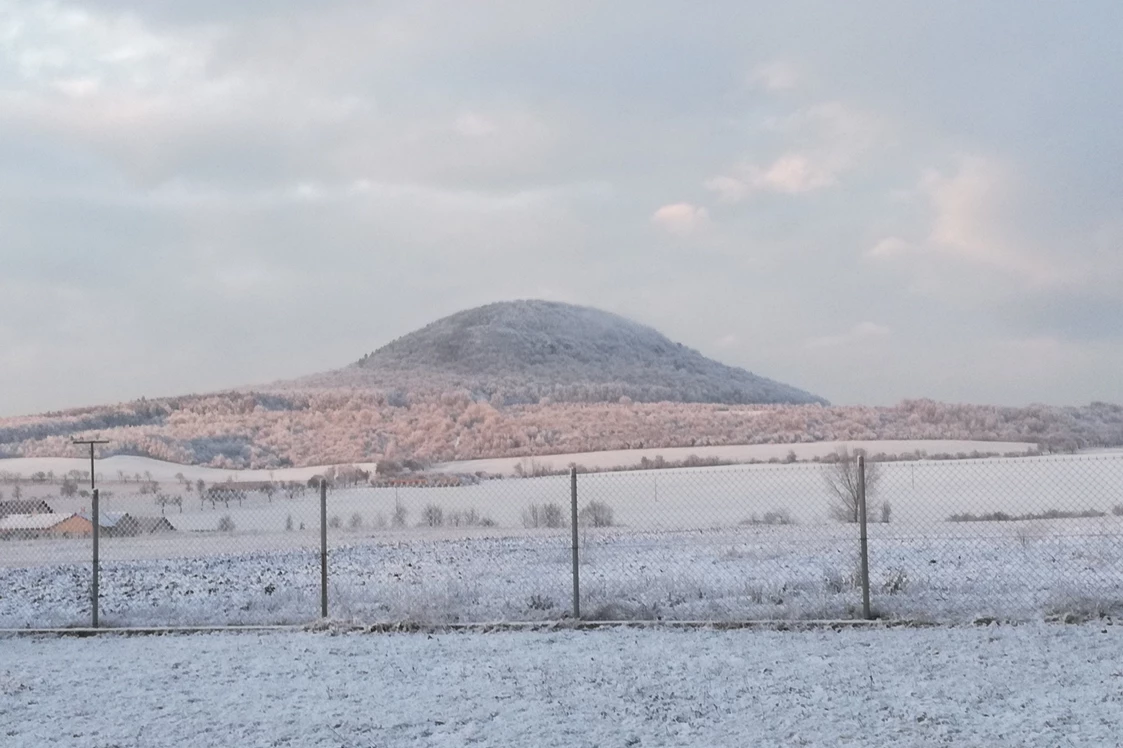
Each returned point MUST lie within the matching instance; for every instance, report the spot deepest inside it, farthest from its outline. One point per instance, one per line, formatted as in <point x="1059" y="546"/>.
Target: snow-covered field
<point x="736" y="453"/>
<point x="683" y="547"/>
<point x="108" y="468"/>
<point x="1029" y="685"/>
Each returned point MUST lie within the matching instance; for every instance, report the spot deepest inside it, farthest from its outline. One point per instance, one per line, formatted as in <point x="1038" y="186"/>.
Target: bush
<point x="553" y="516"/>
<point x="1117" y="510"/>
<point x="1047" y="514"/>
<point x="467" y="518"/>
<point x="380" y="521"/>
<point x="356" y="521"/>
<point x="225" y="524"/>
<point x="545" y="515"/>
<point x="896" y="582"/>
<point x="775" y="517"/>
<point x="335" y="522"/>
<point x="596" y="514"/>
<point x="288" y="523"/>
<point x="400" y="516"/>
<point x="433" y="516"/>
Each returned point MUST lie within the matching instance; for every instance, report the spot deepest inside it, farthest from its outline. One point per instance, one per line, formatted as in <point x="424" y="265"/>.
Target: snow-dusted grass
<point x="958" y="573"/>
<point x="1032" y="685"/>
<point x="684" y="548"/>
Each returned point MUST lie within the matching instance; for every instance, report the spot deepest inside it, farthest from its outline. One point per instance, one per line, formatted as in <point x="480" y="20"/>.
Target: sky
<point x="870" y="200"/>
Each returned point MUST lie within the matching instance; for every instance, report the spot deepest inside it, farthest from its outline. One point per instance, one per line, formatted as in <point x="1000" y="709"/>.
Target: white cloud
<point x="775" y="76"/>
<point x="824" y="142"/>
<point x="860" y="332"/>
<point x="970" y="222"/>
<point x="728" y="189"/>
<point x="890" y="246"/>
<point x="681" y="218"/>
<point x="473" y="125"/>
<point x="793" y="174"/>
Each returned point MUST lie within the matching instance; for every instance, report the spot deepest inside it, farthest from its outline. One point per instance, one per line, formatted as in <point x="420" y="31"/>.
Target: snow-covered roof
<point x="105" y="519"/>
<point x="41" y="521"/>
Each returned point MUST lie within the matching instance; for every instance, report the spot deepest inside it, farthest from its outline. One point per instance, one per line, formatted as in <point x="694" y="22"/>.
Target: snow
<point x="735" y="453"/>
<point x="682" y="550"/>
<point x="1031" y="685"/>
<point x="108" y="468"/>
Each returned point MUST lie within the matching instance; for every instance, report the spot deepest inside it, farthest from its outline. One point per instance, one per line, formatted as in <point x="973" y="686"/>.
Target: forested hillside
<point x="235" y="430"/>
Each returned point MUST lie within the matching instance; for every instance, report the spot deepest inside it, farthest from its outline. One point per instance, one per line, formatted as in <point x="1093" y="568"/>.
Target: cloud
<point x="889" y="247"/>
<point x="861" y="332"/>
<point x="473" y="125"/>
<point x="202" y="162"/>
<point x="775" y="76"/>
<point x="824" y="142"/>
<point x="978" y="222"/>
<point x="681" y="218"/>
<point x="970" y="222"/>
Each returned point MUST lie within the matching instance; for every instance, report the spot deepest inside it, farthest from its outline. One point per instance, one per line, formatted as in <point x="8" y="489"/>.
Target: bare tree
<point x="841" y="477"/>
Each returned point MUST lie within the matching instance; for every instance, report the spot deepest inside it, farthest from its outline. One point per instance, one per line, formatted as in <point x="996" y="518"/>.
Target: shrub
<point x="775" y="517"/>
<point x="596" y="514"/>
<point x="778" y="517"/>
<point x="541" y="602"/>
<point x="356" y="521"/>
<point x="553" y="516"/>
<point x="1047" y="514"/>
<point x="433" y="515"/>
<point x="896" y="582"/>
<point x="1117" y="510"/>
<point x="545" y="515"/>
<point x="886" y="512"/>
<point x="225" y="524"/>
<point x="400" y="516"/>
<point x="380" y="521"/>
<point x="467" y="518"/>
<point x="335" y="522"/>
<point x="532" y="516"/>
<point x="288" y="523"/>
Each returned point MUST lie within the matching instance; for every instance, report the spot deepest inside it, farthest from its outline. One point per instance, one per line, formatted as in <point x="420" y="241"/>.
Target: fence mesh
<point x="950" y="541"/>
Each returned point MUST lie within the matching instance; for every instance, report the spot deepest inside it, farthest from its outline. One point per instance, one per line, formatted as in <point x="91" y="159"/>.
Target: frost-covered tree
<point x="842" y="479"/>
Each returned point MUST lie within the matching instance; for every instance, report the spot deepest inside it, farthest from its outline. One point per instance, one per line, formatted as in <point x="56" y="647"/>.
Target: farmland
<point x="751" y="542"/>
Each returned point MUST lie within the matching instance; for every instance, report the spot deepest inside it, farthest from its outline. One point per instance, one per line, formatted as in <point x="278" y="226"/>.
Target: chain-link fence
<point x="952" y="541"/>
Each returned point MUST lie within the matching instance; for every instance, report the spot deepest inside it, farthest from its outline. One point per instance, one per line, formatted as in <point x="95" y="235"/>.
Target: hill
<point x="525" y="351"/>
<point x="522" y="379"/>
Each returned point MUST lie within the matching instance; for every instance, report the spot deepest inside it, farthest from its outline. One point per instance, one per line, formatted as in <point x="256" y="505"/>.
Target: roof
<point x="42" y="521"/>
<point x="105" y="519"/>
<point x="154" y="524"/>
<point x="23" y="506"/>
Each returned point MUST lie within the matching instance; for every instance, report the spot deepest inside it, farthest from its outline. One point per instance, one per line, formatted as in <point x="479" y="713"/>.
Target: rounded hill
<point x="524" y="351"/>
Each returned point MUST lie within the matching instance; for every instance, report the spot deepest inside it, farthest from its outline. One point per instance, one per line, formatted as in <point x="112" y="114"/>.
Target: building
<point x="24" y="506"/>
<point x="45" y="524"/>
<point x="124" y="525"/>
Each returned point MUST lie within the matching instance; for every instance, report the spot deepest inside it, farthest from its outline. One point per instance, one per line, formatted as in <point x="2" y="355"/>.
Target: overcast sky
<point x="869" y="200"/>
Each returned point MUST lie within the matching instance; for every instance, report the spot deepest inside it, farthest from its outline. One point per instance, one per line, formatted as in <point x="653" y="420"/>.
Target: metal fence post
<point x="573" y="526"/>
<point x="97" y="560"/>
<point x="865" y="551"/>
<point x="323" y="548"/>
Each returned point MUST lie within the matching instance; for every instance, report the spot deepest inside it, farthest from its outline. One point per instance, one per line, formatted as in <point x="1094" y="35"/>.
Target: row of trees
<point x="237" y="431"/>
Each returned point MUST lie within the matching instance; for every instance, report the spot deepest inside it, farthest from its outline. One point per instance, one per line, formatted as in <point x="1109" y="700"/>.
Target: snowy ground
<point x="684" y="547"/>
<point x="952" y="573"/>
<point x="1031" y="685"/>
<point x="108" y="468"/>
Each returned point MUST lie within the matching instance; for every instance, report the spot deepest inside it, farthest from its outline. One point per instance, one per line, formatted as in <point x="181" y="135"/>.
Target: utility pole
<point x="94" y="601"/>
<point x="91" y="442"/>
